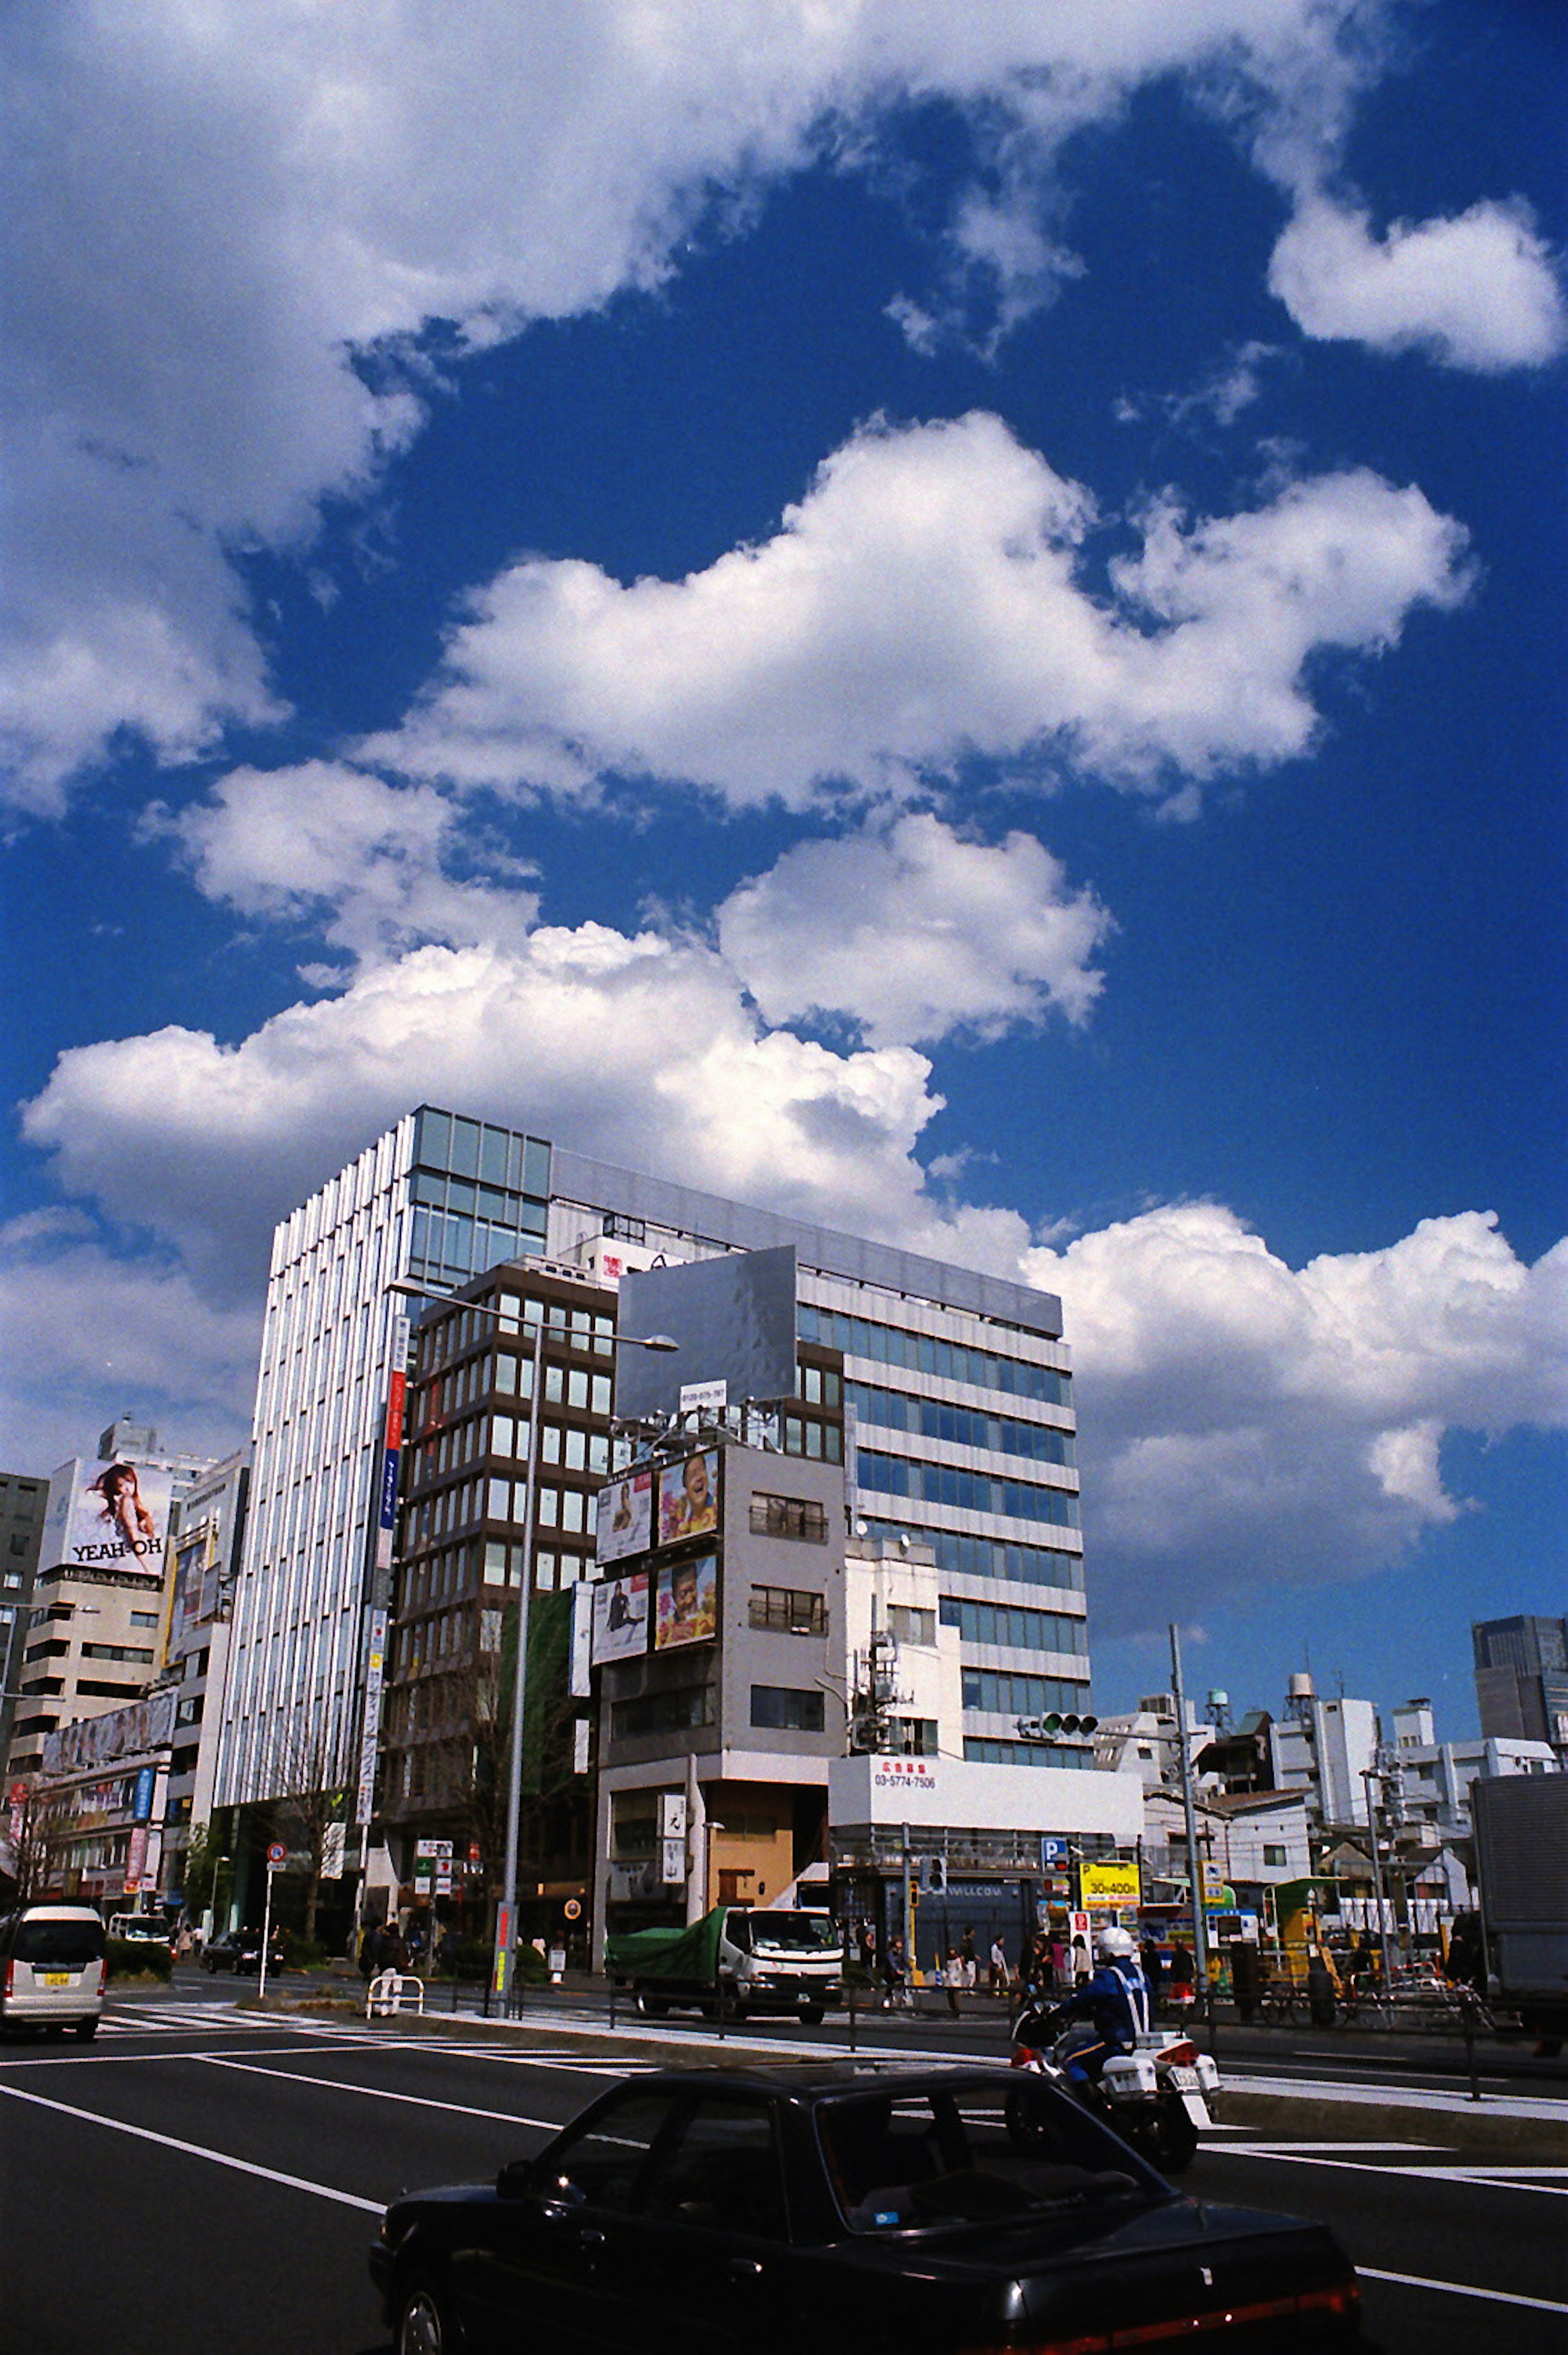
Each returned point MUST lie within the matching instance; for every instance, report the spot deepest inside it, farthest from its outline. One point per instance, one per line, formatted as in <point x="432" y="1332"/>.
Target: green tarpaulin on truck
<point x="691" y="1953"/>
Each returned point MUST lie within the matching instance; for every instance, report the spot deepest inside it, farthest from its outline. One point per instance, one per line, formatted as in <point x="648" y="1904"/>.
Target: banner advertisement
<point x="135" y="1859"/>
<point x="1110" y="1881"/>
<point x="688" y="1498"/>
<point x="621" y="1617"/>
<point x="128" y="1733"/>
<point x="392" y="1445"/>
<point x="687" y="1601"/>
<point x="195" y="1595"/>
<point x="108" y="1516"/>
<point x="370" y="1725"/>
<point x="625" y="1515"/>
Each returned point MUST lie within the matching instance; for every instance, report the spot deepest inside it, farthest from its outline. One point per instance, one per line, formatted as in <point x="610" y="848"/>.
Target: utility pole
<point x="1200" y="1924"/>
<point x="1370" y="1777"/>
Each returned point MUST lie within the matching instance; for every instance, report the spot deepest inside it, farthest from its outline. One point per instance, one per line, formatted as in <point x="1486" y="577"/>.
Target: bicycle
<point x="1281" y="2004"/>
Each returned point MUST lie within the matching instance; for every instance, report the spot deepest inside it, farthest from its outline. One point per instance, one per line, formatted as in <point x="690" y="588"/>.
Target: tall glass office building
<point x="958" y="1418"/>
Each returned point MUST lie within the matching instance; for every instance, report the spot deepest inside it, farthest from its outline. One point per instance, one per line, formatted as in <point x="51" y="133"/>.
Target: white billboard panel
<point x="624" y="1522"/>
<point x="621" y="1618"/>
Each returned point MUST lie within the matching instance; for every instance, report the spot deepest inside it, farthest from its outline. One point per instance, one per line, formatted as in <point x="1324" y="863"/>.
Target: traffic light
<point x="1057" y="1726"/>
<point x="933" y="1875"/>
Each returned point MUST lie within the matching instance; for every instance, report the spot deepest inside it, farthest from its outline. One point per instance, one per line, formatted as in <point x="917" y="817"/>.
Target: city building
<point x="94" y="1636"/>
<point x="1145" y="1742"/>
<point x="23" y="1504"/>
<point x="1521" y="1679"/>
<point x="718" y="1654"/>
<point x="99" y="1803"/>
<point x="905" y="1676"/>
<point x="206" y="1552"/>
<point x="952" y="1416"/>
<point x="1327" y="1748"/>
<point x="451" y="1653"/>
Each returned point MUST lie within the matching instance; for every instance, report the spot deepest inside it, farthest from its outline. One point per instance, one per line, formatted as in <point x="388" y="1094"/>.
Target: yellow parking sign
<point x="1109" y="1880"/>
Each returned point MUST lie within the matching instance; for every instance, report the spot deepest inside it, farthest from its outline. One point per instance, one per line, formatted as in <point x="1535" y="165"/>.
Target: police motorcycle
<point x="1099" y="2045"/>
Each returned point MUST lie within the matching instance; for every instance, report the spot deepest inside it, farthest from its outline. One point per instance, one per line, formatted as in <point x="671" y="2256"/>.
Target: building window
<point x="975" y="1492"/>
<point x="789" y="1517"/>
<point x="1273" y="1853"/>
<point x="908" y="1626"/>
<point x="814" y="1439"/>
<point x="1013" y="1628"/>
<point x="790" y="1610"/>
<point x="666" y="1713"/>
<point x="923" y="1353"/>
<point x="915" y="1737"/>
<point x="784" y="1708"/>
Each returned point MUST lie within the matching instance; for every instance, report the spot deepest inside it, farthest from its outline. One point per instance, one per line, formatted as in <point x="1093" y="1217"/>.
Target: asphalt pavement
<point x="203" y="2176"/>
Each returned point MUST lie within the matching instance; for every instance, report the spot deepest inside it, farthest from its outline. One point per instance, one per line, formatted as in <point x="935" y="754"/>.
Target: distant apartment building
<point x="1521" y="1679"/>
<point x="952" y="1416"/>
<point x="1328" y="1749"/>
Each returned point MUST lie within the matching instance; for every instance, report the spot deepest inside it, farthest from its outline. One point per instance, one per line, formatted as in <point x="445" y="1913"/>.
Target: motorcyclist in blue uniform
<point x="1112" y="2003"/>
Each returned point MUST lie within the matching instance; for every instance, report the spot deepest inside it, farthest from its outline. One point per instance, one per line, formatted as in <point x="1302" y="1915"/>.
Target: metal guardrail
<point x="390" y="1992"/>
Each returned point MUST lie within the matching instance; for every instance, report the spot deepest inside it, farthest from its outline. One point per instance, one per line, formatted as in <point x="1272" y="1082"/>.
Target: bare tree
<point x="311" y="1793"/>
<point x="45" y="1819"/>
<point x="482" y="1703"/>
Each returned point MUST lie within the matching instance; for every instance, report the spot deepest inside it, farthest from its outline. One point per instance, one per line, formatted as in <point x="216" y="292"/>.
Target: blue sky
<point x="953" y="623"/>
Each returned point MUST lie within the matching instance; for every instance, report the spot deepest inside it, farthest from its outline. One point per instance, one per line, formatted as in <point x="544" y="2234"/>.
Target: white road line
<point x="1487" y="2179"/>
<point x="126" y="2060"/>
<point x="1464" y="2289"/>
<point x="1284" y="2149"/>
<point x="198" y="2150"/>
<point x="375" y="2092"/>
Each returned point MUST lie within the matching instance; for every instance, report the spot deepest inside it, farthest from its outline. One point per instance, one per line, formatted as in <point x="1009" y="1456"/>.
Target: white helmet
<point x="1113" y="1945"/>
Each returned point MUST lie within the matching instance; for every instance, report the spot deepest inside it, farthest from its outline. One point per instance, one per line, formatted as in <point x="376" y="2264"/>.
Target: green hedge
<point x="470" y="1958"/>
<point x="132" y="1958"/>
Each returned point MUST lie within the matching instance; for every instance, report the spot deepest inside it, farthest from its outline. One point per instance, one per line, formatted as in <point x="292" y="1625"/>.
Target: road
<point x="200" y="2178"/>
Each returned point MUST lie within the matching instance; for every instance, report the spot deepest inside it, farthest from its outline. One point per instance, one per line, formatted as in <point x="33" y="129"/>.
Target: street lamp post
<point x="1194" y="1869"/>
<point x="503" y="1968"/>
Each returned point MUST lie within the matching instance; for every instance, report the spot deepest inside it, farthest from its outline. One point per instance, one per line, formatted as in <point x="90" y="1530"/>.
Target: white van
<point x="52" y="1969"/>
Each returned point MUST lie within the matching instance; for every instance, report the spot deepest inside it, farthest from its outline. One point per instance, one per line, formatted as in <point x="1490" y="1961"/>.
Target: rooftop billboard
<point x="107" y="1515"/>
<point x="733" y="1318"/>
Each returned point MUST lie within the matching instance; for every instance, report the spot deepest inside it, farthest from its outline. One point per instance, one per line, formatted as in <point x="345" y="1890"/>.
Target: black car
<point x="237" y="1951"/>
<point x="861" y="2206"/>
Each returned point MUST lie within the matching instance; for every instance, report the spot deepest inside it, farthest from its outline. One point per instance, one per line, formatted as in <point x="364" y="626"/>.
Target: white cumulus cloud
<point x="637" y="1050"/>
<point x="90" y="1332"/>
<point x="226" y="221"/>
<point x="375" y="864"/>
<point x="1243" y="1421"/>
<point x="912" y="932"/>
<point x="1479" y="290"/>
<point x="923" y="603"/>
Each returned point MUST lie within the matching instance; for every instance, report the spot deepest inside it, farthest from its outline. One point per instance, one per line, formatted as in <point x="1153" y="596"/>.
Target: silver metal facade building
<point x="959" y="1384"/>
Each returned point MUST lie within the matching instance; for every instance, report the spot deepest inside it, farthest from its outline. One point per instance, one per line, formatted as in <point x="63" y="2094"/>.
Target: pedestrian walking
<point x="1246" y="1979"/>
<point x="999" y="1974"/>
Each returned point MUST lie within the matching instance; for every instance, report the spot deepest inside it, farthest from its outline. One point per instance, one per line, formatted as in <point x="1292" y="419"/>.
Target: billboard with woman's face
<point x="686" y="1602"/>
<point x="688" y="1498"/>
<point x="625" y="1515"/>
<point x="113" y="1515"/>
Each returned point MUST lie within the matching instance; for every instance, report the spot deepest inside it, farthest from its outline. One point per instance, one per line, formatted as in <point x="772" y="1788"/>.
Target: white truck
<point x="742" y="1959"/>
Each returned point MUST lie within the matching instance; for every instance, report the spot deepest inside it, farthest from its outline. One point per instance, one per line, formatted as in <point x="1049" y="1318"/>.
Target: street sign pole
<point x="266" y="1930"/>
<point x="277" y="1854"/>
